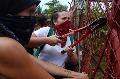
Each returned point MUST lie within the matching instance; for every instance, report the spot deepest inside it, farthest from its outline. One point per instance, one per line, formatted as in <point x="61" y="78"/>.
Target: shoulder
<point x="42" y="31"/>
<point x="13" y="57"/>
<point x="9" y="46"/>
<point x="6" y="42"/>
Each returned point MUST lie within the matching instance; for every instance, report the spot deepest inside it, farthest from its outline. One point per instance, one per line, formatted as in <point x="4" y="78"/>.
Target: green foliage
<point x="39" y="10"/>
<point x="53" y="6"/>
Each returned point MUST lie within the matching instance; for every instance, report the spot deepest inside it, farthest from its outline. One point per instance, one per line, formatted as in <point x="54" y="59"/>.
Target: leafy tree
<point x="53" y="6"/>
<point x="39" y="10"/>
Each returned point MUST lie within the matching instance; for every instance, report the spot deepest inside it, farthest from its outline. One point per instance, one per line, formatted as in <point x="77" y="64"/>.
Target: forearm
<point x="37" y="41"/>
<point x="53" y="69"/>
<point x="73" y="58"/>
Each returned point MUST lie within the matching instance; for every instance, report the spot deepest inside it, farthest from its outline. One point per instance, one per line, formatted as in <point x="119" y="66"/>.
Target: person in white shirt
<point x="52" y="54"/>
<point x="51" y="68"/>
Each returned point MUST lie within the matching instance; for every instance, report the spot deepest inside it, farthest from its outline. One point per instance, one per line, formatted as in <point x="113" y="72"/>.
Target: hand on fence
<point x="76" y="75"/>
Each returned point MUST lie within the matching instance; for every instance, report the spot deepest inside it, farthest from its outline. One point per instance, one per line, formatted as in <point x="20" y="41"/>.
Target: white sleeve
<point x="42" y="32"/>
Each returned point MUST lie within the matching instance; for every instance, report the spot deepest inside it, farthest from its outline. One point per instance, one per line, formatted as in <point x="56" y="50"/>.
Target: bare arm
<point x="59" y="71"/>
<point x="37" y="41"/>
<point x="15" y="62"/>
<point x="72" y="56"/>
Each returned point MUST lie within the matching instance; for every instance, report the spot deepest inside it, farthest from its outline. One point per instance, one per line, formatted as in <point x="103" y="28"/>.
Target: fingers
<point x="59" y="41"/>
<point x="69" y="50"/>
<point x="77" y="75"/>
<point x="53" y="40"/>
<point x="84" y="76"/>
<point x="56" y="36"/>
<point x="84" y="72"/>
<point x="70" y="30"/>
